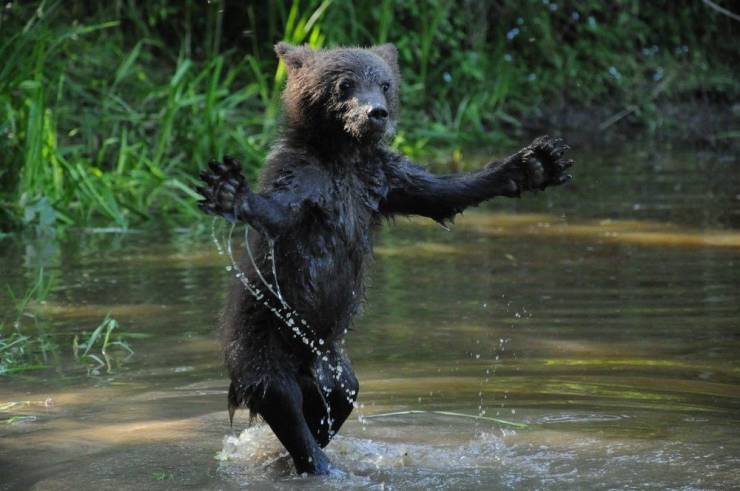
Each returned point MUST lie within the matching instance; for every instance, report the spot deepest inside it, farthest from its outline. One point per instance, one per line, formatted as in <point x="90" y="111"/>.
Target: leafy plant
<point x="94" y="349"/>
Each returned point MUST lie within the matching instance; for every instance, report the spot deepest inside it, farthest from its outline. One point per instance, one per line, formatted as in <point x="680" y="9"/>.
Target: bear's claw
<point x="543" y="164"/>
<point x="224" y="189"/>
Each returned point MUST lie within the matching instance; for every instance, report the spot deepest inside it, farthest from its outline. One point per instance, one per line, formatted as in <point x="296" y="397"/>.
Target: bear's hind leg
<point x="328" y="401"/>
<point x="342" y="398"/>
<point x="316" y="410"/>
<point x="281" y="406"/>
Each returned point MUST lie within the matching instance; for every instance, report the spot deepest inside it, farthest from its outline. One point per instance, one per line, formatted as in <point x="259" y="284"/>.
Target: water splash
<point x="393" y="451"/>
<point x="271" y="258"/>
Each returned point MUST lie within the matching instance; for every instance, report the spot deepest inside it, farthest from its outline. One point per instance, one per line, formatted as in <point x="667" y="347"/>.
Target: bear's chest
<point x="353" y="204"/>
<point x="349" y="211"/>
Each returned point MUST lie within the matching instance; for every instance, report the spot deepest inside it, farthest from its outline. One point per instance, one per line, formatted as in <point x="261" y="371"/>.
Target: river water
<point x="587" y="337"/>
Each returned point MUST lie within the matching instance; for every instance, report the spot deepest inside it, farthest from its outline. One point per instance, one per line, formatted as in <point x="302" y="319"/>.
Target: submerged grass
<point x="108" y="110"/>
<point x="28" y="342"/>
<point x="102" y="336"/>
<point x="24" y="343"/>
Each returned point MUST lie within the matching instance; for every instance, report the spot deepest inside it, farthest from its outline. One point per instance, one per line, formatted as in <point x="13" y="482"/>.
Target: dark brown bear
<point x="325" y="188"/>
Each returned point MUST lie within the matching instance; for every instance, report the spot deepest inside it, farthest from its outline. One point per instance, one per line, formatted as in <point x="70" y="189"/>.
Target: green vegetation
<point x="107" y="110"/>
<point x="24" y="343"/>
<point x="102" y="335"/>
<point x="27" y="342"/>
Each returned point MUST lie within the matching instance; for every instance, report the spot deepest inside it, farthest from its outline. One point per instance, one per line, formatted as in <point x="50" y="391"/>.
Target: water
<point x="603" y="317"/>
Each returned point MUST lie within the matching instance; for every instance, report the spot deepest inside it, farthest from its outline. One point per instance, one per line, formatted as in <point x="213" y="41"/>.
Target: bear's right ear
<point x="389" y="53"/>
<point x="294" y="57"/>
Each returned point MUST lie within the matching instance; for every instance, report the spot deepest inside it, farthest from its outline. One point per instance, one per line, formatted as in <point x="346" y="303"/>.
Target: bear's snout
<point x="366" y="119"/>
<point x="377" y="117"/>
<point x="377" y="113"/>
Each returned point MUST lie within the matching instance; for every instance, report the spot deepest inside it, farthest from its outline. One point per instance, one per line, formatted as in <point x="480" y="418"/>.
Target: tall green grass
<point x="107" y="110"/>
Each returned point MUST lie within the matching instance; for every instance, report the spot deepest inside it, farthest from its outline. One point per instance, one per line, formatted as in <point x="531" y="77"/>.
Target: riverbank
<point x="697" y="123"/>
<point x="107" y="113"/>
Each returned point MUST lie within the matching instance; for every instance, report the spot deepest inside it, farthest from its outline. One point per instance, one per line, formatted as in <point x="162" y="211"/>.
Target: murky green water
<point x="605" y="317"/>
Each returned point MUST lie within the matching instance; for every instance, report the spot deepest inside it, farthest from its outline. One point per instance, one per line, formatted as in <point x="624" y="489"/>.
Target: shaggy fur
<point x="325" y="187"/>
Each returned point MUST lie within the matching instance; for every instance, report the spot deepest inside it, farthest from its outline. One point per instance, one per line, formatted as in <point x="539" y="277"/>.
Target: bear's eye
<point x="345" y="85"/>
<point x="385" y="86"/>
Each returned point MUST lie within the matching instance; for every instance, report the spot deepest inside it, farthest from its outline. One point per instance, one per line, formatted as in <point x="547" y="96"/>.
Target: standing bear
<point x="327" y="184"/>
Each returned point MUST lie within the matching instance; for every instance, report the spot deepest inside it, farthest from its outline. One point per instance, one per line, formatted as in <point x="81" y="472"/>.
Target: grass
<point x="28" y="342"/>
<point x="108" y="111"/>
<point x="101" y="338"/>
<point x="24" y="342"/>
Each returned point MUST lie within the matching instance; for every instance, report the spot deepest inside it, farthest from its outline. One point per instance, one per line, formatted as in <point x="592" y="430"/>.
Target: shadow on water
<point x="602" y="319"/>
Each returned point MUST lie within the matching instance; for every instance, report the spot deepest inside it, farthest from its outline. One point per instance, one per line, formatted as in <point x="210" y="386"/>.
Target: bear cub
<point x="327" y="184"/>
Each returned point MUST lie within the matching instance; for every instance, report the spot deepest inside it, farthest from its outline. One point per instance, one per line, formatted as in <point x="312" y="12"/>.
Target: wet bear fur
<point x="326" y="185"/>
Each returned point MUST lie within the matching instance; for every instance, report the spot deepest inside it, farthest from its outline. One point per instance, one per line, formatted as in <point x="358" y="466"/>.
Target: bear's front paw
<point x="224" y="189"/>
<point x="543" y="163"/>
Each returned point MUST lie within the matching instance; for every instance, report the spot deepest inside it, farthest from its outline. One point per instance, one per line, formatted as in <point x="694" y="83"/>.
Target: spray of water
<point x="271" y="258"/>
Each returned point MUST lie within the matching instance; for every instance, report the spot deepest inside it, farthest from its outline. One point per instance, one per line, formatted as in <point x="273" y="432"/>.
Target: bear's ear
<point x="389" y="53"/>
<point x="294" y="57"/>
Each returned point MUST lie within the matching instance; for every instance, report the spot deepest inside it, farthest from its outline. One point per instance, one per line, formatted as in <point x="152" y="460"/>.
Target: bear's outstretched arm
<point x="416" y="191"/>
<point x="226" y="193"/>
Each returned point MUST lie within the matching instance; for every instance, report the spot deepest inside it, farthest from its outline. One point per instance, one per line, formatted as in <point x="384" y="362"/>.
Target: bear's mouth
<point x="375" y="125"/>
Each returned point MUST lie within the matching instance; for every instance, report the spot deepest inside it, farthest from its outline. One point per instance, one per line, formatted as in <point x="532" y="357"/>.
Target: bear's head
<point x="342" y="94"/>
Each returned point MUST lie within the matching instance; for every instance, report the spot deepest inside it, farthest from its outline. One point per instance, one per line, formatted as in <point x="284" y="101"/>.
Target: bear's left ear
<point x="389" y="53"/>
<point x="294" y="57"/>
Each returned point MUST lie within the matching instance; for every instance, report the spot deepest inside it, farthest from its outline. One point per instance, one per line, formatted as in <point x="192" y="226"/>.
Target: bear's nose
<point x="377" y="113"/>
